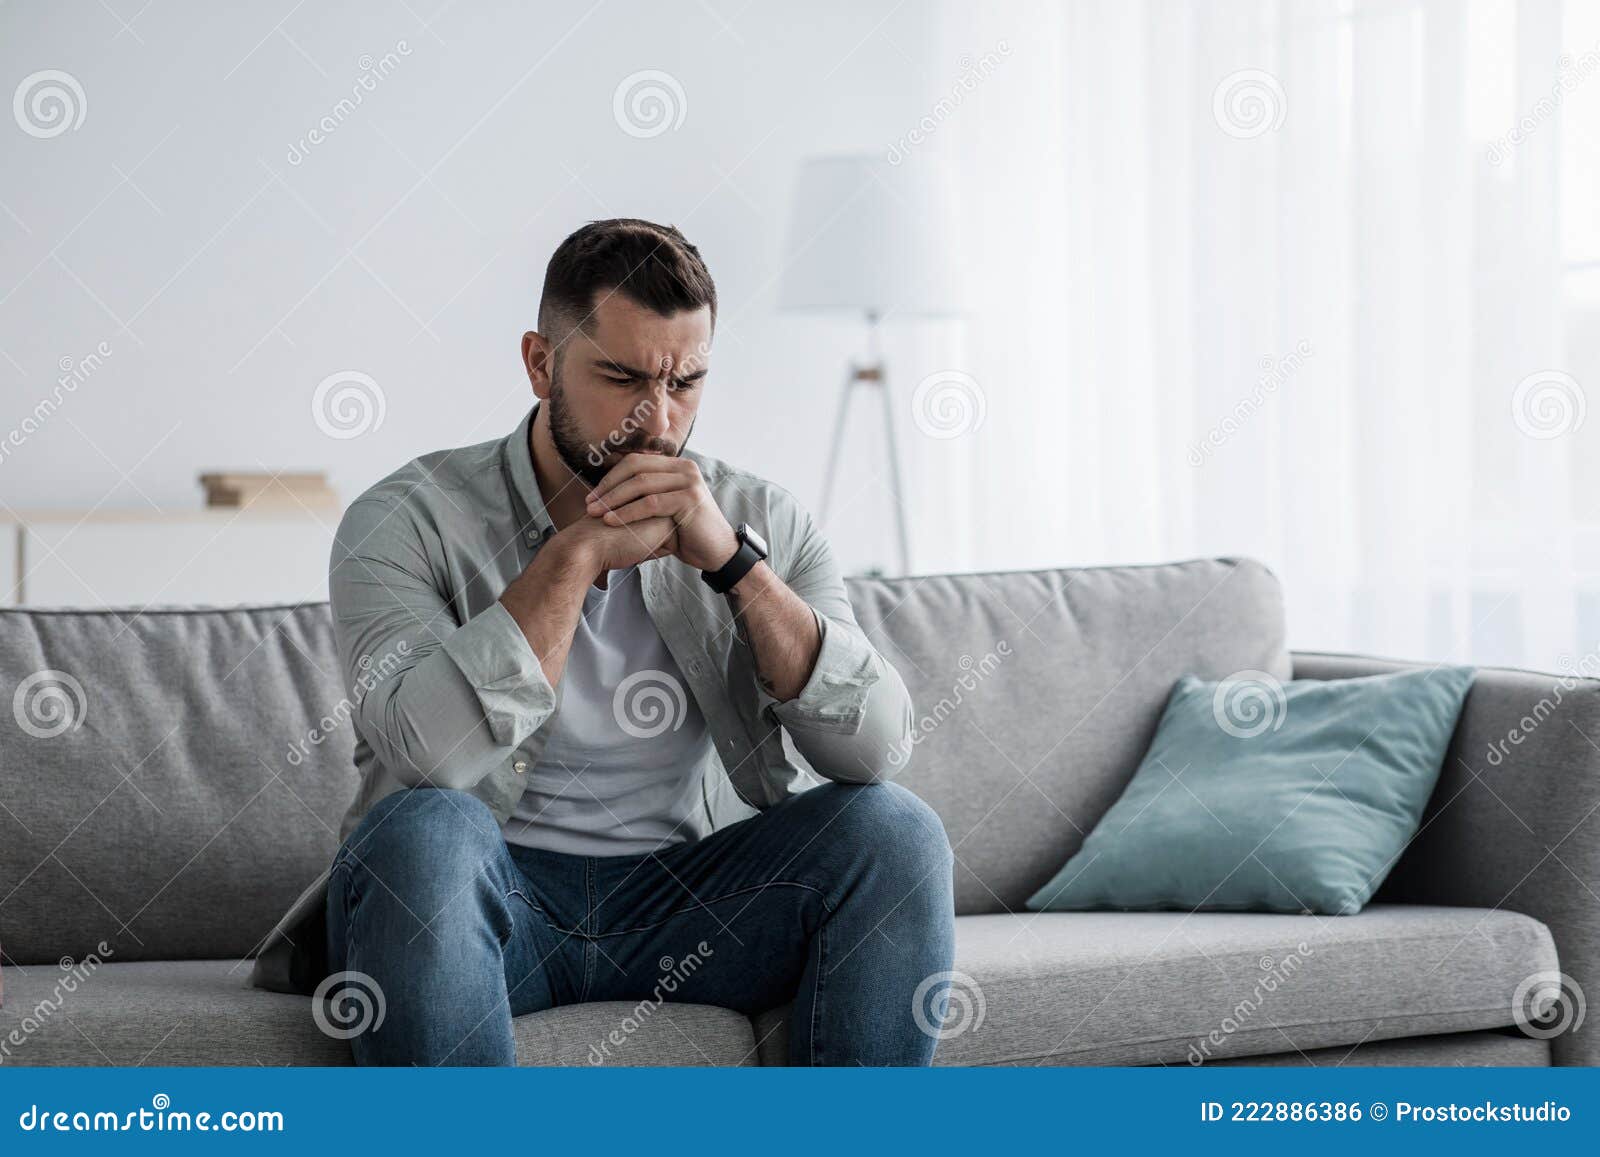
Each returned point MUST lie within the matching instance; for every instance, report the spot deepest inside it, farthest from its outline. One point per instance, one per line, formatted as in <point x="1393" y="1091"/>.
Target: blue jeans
<point x="838" y="899"/>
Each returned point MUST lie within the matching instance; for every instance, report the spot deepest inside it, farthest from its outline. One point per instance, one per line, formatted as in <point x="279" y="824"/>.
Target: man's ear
<point x="538" y="358"/>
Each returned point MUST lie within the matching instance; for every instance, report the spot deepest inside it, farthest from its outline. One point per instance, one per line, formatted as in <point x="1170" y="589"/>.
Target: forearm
<point x="443" y="700"/>
<point x="781" y="630"/>
<point x="454" y="707"/>
<point x="852" y="719"/>
<point x="842" y="704"/>
<point x="547" y="598"/>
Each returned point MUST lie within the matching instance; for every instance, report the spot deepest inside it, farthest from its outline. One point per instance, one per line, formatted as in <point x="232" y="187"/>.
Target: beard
<point x="592" y="460"/>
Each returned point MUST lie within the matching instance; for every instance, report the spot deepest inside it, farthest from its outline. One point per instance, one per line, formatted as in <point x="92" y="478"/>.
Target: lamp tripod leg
<point x="902" y="535"/>
<point x="832" y="468"/>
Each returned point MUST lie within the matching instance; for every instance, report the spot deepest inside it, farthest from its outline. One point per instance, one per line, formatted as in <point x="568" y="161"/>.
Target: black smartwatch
<point x="752" y="549"/>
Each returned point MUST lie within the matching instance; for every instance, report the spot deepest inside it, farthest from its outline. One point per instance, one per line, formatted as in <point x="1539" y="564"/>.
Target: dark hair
<point x="653" y="265"/>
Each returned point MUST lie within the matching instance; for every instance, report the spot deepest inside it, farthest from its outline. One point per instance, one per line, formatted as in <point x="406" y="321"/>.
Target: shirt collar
<point x="516" y="459"/>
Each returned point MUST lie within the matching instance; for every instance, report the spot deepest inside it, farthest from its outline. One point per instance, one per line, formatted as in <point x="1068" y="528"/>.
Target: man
<point x="579" y="652"/>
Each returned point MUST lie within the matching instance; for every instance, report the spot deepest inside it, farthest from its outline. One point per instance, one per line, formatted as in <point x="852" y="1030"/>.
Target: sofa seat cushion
<point x="1117" y="988"/>
<point x="1499" y="1048"/>
<point x="198" y="1012"/>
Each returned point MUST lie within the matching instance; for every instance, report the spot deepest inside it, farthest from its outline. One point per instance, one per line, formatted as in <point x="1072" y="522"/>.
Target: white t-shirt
<point x="620" y="769"/>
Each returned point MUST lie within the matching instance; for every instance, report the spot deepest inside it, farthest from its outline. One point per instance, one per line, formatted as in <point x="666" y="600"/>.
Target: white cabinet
<point x="208" y="557"/>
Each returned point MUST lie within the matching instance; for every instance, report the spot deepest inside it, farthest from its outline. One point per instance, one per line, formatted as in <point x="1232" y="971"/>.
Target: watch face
<point x="748" y="533"/>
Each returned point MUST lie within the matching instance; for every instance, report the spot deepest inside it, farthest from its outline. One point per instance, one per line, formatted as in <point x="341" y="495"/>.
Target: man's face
<point x="629" y="381"/>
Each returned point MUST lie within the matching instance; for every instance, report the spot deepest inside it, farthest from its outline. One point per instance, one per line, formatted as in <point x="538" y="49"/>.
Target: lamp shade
<point x="868" y="236"/>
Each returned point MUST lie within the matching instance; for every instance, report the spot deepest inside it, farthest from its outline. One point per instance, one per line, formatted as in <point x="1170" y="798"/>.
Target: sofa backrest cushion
<point x="171" y="779"/>
<point x="1036" y="694"/>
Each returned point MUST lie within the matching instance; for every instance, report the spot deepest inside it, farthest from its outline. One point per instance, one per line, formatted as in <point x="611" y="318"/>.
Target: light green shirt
<point x="451" y="694"/>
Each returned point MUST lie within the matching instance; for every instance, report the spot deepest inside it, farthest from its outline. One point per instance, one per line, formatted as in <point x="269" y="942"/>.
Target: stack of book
<point x="287" y="492"/>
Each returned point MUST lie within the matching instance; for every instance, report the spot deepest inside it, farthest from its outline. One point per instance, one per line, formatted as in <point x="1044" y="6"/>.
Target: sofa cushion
<point x="1120" y="988"/>
<point x="191" y="792"/>
<point x="200" y="784"/>
<point x="1262" y="796"/>
<point x="197" y="1012"/>
<point x="1036" y="694"/>
<point x="1491" y="1048"/>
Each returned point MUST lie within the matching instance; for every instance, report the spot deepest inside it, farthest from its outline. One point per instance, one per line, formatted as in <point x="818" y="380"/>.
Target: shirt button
<point x="520" y="766"/>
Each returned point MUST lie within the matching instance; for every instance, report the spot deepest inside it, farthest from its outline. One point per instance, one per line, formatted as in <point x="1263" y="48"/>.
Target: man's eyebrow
<point x="621" y="370"/>
<point x="640" y="375"/>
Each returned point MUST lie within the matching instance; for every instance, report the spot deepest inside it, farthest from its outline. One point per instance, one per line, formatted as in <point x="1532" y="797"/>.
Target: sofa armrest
<point x="1515" y="819"/>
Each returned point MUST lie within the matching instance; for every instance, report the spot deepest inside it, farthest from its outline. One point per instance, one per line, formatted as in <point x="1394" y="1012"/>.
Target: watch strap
<point x="726" y="577"/>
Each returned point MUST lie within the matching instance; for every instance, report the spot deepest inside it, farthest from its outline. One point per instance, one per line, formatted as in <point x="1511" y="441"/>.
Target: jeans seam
<point x="352" y="894"/>
<point x="531" y="903"/>
<point x="589" y="953"/>
<point x="344" y="933"/>
<point x="816" y="988"/>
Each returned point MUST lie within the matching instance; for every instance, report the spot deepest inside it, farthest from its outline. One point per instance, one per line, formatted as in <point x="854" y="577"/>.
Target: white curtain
<point x="1254" y="278"/>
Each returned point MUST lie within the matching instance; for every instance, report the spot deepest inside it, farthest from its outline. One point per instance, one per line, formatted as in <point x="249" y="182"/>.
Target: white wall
<point x="409" y="244"/>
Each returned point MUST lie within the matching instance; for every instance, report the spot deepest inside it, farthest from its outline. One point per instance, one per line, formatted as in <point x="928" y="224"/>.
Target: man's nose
<point x="658" y="416"/>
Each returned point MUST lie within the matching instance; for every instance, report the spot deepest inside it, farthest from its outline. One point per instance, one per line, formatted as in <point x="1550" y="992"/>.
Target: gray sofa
<point x="205" y="740"/>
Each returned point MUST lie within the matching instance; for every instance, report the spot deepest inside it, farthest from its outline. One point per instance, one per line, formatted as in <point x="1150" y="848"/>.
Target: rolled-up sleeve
<point x="441" y="702"/>
<point x="852" y="719"/>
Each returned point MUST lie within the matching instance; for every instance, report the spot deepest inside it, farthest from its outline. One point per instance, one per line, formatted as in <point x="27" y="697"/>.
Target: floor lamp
<point x="874" y="239"/>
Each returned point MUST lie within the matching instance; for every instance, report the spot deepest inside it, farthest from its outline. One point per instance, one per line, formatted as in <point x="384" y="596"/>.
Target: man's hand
<point x="602" y="547"/>
<point x="643" y="488"/>
<point x="546" y="599"/>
